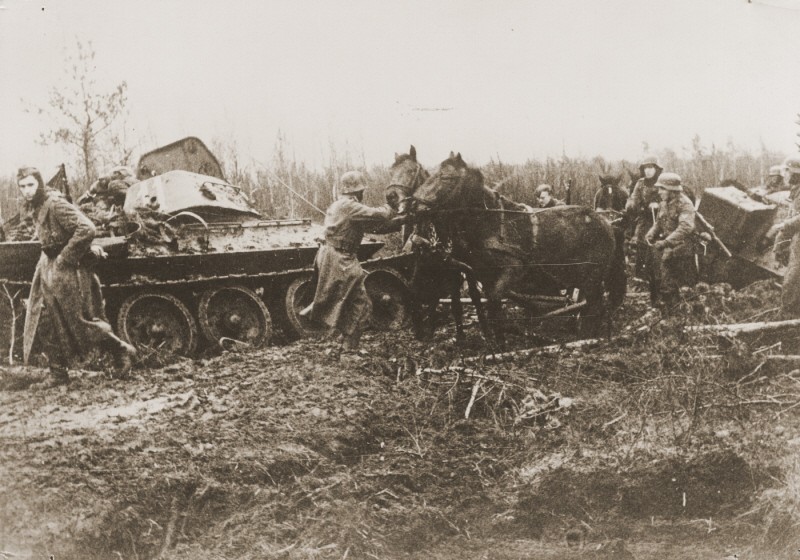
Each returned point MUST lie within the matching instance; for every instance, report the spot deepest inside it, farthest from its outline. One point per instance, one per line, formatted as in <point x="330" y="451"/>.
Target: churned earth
<point x="654" y="444"/>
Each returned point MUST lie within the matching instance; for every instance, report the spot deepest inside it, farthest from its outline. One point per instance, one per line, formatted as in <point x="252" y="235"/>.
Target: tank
<point x="192" y="264"/>
<point x="741" y="220"/>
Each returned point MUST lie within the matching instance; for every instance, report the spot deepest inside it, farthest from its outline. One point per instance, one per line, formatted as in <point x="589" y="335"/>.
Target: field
<point x="654" y="442"/>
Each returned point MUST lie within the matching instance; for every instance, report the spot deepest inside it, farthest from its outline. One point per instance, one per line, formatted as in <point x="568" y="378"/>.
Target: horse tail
<point x="616" y="280"/>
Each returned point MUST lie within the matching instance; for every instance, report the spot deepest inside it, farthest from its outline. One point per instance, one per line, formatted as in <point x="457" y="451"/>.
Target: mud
<point x="283" y="453"/>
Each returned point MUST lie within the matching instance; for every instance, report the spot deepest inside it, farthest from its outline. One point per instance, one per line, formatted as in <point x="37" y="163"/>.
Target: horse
<point x="610" y="195"/>
<point x="435" y="272"/>
<point x="514" y="250"/>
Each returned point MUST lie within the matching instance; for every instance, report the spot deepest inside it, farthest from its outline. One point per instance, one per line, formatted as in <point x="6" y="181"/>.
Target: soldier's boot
<point x="668" y="303"/>
<point x="351" y="342"/>
<point x="58" y="377"/>
<point x="124" y="360"/>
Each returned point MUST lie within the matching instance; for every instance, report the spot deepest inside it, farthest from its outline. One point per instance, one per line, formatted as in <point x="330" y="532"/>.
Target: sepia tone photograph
<point x="345" y="279"/>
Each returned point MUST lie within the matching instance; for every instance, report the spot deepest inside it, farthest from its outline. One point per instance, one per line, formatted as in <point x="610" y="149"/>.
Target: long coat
<point x="341" y="301"/>
<point x="790" y="295"/>
<point x="65" y="317"/>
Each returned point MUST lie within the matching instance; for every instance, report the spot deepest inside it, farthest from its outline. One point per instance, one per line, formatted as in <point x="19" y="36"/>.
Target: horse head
<point x="610" y="181"/>
<point x="453" y="185"/>
<point x="634" y="178"/>
<point x="406" y="175"/>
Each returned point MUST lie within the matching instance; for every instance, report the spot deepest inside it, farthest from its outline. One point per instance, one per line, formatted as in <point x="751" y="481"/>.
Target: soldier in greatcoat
<point x="788" y="231"/>
<point x="66" y="317"/>
<point x="672" y="239"/>
<point x="341" y="301"/>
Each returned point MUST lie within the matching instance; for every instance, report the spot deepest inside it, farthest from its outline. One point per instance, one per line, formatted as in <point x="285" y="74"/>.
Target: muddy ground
<point x="656" y="443"/>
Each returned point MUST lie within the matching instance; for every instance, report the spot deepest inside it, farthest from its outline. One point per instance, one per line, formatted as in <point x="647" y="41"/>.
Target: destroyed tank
<point x="192" y="263"/>
<point x="741" y="219"/>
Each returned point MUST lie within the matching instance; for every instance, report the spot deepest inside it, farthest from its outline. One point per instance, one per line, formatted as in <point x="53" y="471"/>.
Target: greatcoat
<point x="66" y="316"/>
<point x="341" y="301"/>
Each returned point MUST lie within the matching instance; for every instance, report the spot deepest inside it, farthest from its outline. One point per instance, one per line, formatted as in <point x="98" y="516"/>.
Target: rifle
<point x="59" y="182"/>
<point x="710" y="230"/>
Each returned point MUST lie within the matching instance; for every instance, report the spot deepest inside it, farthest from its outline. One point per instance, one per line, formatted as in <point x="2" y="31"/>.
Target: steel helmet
<point x="670" y="182"/>
<point x="352" y="182"/>
<point x="649" y="160"/>
<point x="121" y="171"/>
<point x="775" y="171"/>
<point x="792" y="164"/>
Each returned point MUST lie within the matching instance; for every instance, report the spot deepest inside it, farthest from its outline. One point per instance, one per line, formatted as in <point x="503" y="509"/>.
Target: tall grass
<point x="266" y="177"/>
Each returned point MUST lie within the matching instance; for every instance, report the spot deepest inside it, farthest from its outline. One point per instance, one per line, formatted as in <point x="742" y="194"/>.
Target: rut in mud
<point x="283" y="453"/>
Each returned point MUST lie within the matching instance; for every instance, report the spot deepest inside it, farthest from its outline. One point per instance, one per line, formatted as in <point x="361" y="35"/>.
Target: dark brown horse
<point x="515" y="251"/>
<point x="436" y="272"/>
<point x="610" y="195"/>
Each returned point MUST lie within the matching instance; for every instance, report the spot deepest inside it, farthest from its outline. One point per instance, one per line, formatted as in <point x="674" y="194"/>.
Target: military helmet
<point x="649" y="160"/>
<point x="792" y="164"/>
<point x="352" y="182"/>
<point x="670" y="182"/>
<point x="544" y="187"/>
<point x="121" y="171"/>
<point x="775" y="171"/>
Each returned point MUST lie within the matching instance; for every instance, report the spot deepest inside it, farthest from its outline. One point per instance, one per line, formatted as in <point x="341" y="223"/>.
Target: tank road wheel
<point x="299" y="295"/>
<point x="158" y="322"/>
<point x="234" y="312"/>
<point x="390" y="299"/>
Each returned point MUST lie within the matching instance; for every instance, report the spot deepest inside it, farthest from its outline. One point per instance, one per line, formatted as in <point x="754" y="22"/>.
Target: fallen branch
<point x="787" y="358"/>
<point x="466" y="372"/>
<point x="173" y="518"/>
<point x="734" y="329"/>
<point x="567" y="309"/>
<point x="475" y="389"/>
<point x="539" y="351"/>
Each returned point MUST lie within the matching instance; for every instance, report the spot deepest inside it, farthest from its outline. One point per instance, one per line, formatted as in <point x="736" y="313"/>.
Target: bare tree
<point x="84" y="115"/>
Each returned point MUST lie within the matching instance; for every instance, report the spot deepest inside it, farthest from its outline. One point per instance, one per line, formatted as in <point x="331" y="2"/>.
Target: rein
<point x="410" y="185"/>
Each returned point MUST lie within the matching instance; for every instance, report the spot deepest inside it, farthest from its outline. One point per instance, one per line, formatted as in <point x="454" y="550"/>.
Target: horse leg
<point x="495" y="305"/>
<point x="595" y="310"/>
<point x="455" y="305"/>
<point x="476" y="297"/>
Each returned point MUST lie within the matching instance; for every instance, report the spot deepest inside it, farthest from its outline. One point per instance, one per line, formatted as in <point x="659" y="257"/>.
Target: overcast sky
<point x="507" y="78"/>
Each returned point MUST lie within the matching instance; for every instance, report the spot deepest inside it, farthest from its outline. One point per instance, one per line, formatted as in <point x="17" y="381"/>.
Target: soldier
<point x="341" y="301"/>
<point x="774" y="180"/>
<point x="544" y="197"/>
<point x="672" y="240"/>
<point x="641" y="208"/>
<point x="66" y="315"/>
<point x="788" y="231"/>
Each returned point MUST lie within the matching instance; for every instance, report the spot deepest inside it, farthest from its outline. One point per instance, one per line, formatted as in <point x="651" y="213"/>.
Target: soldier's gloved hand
<point x="774" y="230"/>
<point x="98" y="251"/>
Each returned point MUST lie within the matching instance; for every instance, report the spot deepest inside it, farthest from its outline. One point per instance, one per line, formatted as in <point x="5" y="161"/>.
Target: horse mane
<point x="474" y="176"/>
